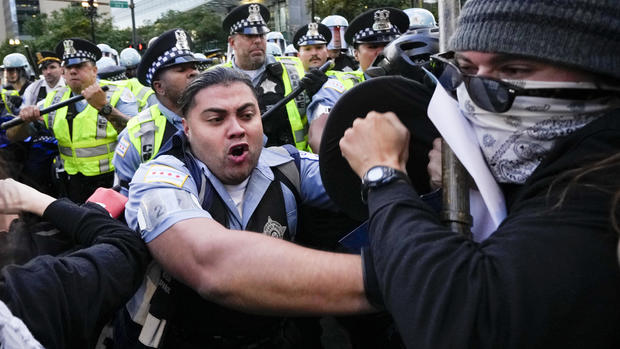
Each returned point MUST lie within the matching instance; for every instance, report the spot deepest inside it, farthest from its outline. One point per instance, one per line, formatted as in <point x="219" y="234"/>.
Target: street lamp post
<point x="91" y="12"/>
<point x="134" y="41"/>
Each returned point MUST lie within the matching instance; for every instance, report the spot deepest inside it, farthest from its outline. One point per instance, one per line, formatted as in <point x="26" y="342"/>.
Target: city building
<point x="14" y="13"/>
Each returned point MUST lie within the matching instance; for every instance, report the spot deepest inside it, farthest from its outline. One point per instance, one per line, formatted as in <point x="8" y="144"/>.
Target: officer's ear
<point x="158" y="87"/>
<point x="356" y="53"/>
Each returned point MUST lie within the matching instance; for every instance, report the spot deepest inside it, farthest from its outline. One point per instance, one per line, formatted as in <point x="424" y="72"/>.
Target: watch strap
<point x="389" y="175"/>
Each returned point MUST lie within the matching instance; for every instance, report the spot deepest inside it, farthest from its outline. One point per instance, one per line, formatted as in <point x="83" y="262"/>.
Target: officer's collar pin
<point x="382" y="20"/>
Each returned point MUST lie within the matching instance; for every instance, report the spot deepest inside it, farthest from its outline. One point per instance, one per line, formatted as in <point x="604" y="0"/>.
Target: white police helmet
<point x="420" y="18"/>
<point x="273" y="49"/>
<point x="337" y="25"/>
<point x="276" y="38"/>
<point x="290" y="50"/>
<point x="130" y="58"/>
<point x="15" y="60"/>
<point x="105" y="62"/>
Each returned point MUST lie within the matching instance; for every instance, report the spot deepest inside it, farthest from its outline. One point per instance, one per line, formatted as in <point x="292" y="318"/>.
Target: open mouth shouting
<point x="238" y="152"/>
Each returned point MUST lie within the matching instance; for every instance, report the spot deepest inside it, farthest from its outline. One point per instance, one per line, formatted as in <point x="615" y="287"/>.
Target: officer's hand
<point x="30" y="113"/>
<point x="313" y="81"/>
<point x="95" y="96"/>
<point x="434" y="164"/>
<point x="378" y="139"/>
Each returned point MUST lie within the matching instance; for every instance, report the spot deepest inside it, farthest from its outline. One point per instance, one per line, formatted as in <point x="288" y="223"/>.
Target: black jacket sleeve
<point x="547" y="278"/>
<point x="66" y="301"/>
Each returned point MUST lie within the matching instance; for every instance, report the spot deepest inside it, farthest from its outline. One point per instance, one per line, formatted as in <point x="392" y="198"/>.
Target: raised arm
<point x="254" y="272"/>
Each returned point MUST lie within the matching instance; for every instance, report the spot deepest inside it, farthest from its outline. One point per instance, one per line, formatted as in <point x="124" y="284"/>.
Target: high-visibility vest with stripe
<point x="296" y="109"/>
<point x="141" y="92"/>
<point x="89" y="148"/>
<point x="146" y="131"/>
<point x="348" y="78"/>
<point x="5" y="93"/>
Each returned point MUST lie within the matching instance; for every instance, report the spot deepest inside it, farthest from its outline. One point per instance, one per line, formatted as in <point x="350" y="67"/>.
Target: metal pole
<point x="91" y="14"/>
<point x="455" y="179"/>
<point x="134" y="41"/>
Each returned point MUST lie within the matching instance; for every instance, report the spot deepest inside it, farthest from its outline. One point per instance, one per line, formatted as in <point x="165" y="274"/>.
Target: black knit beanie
<point x="584" y="34"/>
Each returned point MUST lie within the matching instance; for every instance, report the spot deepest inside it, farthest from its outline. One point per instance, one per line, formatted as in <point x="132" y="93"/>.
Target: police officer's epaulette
<point x="275" y="68"/>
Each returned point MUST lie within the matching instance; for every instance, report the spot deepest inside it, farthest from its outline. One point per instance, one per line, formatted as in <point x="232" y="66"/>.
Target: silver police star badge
<point x="181" y="37"/>
<point x="69" y="49"/>
<point x="274" y="229"/>
<point x="313" y="30"/>
<point x="382" y="20"/>
<point x="254" y="13"/>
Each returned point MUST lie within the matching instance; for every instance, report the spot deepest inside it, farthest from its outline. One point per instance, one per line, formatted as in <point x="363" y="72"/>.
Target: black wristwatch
<point x="106" y="109"/>
<point x="380" y="175"/>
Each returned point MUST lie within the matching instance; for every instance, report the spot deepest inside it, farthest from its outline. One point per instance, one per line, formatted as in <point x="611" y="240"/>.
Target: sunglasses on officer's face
<point x="494" y="95"/>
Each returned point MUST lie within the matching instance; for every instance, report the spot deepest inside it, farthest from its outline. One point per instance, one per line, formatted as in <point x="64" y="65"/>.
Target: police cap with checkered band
<point x="75" y="51"/>
<point x="169" y="49"/>
<point x="312" y="34"/>
<point x="377" y="26"/>
<point x="248" y="19"/>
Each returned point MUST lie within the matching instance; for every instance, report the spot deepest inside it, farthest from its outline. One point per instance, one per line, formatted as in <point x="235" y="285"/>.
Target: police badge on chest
<point x="274" y="229"/>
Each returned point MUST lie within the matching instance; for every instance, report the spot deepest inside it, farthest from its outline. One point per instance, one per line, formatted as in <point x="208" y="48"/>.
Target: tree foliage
<point x="203" y="25"/>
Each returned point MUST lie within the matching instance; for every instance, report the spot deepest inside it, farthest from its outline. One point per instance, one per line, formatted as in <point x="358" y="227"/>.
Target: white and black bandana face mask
<point x="515" y="142"/>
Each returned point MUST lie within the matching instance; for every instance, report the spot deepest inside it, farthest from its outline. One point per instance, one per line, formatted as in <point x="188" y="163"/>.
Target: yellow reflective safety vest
<point x="349" y="78"/>
<point x="5" y="93"/>
<point x="296" y="109"/>
<point x="141" y="92"/>
<point x="146" y="131"/>
<point x="89" y="148"/>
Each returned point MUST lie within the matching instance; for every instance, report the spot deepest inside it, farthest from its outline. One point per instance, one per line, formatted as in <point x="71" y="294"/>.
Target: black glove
<point x="313" y="81"/>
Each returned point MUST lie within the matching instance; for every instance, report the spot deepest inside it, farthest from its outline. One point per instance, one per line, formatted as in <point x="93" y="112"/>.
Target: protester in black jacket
<point x="65" y="301"/>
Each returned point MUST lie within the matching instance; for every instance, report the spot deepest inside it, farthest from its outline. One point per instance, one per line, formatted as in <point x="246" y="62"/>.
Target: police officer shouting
<point x="87" y="130"/>
<point x="148" y="131"/>
<point x="216" y="175"/>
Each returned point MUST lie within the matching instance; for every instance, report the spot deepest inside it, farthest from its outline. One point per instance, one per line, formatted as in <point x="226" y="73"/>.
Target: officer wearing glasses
<point x="547" y="276"/>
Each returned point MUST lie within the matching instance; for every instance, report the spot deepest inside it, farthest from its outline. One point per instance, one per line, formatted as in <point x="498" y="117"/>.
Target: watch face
<point x="374" y="174"/>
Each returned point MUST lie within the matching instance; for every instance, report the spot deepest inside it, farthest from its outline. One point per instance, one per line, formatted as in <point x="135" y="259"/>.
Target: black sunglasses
<point x="496" y="95"/>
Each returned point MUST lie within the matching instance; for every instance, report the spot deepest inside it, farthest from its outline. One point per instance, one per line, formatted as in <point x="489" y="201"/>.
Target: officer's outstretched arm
<point x="257" y="273"/>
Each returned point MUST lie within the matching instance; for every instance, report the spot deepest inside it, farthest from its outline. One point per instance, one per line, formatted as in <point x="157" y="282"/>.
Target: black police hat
<point x="170" y="48"/>
<point x="75" y="51"/>
<point x="46" y="57"/>
<point x="249" y="19"/>
<point x="312" y="34"/>
<point x="407" y="99"/>
<point x="378" y="25"/>
<point x="112" y="73"/>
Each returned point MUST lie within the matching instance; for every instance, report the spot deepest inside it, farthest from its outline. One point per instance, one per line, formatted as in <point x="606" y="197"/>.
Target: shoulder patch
<point x="165" y="174"/>
<point x="335" y="84"/>
<point x="121" y="147"/>
<point x="307" y="155"/>
<point x="127" y="96"/>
